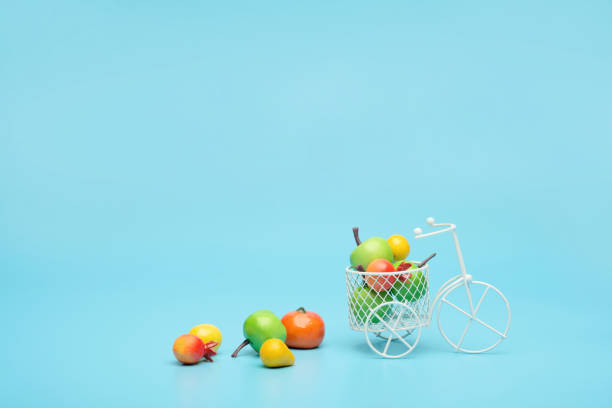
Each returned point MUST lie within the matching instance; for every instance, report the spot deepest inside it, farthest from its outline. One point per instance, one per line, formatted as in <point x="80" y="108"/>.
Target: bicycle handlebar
<point x="418" y="232"/>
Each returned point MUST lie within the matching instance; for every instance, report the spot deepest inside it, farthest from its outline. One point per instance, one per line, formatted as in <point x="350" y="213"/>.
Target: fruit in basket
<point x="364" y="299"/>
<point x="305" y="330"/>
<point x="259" y="327"/>
<point x="405" y="265"/>
<point x="369" y="250"/>
<point x="207" y="332"/>
<point x="410" y="286"/>
<point x="399" y="246"/>
<point x="382" y="281"/>
<point x="402" y="265"/>
<point x="274" y="353"/>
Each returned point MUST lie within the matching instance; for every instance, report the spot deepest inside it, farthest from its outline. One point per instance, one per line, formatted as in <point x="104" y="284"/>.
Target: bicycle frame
<point x="452" y="282"/>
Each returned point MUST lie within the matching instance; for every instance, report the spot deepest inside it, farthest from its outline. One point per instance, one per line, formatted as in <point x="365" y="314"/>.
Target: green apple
<point x="259" y="327"/>
<point x="364" y="299"/>
<point x="371" y="249"/>
<point x="410" y="286"/>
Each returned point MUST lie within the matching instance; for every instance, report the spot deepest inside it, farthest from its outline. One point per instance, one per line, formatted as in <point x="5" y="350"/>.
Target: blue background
<point x="164" y="164"/>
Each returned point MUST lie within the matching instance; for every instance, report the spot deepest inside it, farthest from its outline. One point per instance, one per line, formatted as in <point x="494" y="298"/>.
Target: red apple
<point x="379" y="283"/>
<point x="188" y="349"/>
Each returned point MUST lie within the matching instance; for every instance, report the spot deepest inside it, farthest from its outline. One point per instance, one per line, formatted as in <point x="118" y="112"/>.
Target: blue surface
<point x="165" y="164"/>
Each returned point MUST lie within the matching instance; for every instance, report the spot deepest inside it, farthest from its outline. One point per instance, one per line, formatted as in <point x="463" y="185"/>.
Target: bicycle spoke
<point x="392" y="330"/>
<point x="387" y="345"/>
<point x="391" y="336"/>
<point x="480" y="301"/>
<point x="490" y="328"/>
<point x="457" y="308"/>
<point x="469" y="323"/>
<point x="467" y="326"/>
<point x="469" y="296"/>
<point x="399" y="316"/>
<point x="410" y="347"/>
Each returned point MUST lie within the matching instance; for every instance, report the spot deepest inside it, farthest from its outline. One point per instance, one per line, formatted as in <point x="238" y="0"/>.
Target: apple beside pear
<point x="410" y="286"/>
<point x="364" y="299"/>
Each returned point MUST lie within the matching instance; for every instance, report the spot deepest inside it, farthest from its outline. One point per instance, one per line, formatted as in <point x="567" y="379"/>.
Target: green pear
<point x="370" y="250"/>
<point x="364" y="299"/>
<point x="259" y="327"/>
<point x="410" y="286"/>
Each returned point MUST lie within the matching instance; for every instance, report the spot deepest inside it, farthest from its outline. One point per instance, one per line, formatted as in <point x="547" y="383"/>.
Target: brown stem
<point x="240" y="347"/>
<point x="356" y="234"/>
<point x="427" y="260"/>
<point x="301" y="309"/>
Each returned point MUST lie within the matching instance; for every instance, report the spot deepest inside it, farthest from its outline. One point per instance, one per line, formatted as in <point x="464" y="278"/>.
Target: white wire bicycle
<point x="401" y="307"/>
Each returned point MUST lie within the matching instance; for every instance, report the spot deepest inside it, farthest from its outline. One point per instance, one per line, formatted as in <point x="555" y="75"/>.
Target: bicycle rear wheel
<point x="399" y="327"/>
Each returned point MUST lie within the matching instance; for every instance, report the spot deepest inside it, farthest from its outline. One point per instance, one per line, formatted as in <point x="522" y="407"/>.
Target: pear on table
<point x="259" y="327"/>
<point x="274" y="353"/>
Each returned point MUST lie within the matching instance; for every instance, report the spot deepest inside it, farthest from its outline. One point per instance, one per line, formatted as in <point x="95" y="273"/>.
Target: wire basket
<point x="383" y="293"/>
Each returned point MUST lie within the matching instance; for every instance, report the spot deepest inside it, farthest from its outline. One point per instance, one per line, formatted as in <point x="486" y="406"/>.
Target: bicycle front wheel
<point x="474" y="317"/>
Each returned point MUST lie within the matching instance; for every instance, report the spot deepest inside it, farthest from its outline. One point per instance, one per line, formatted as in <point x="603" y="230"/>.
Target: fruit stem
<point x="356" y="234"/>
<point x="208" y="351"/>
<point x="427" y="260"/>
<point x="301" y="309"/>
<point x="240" y="347"/>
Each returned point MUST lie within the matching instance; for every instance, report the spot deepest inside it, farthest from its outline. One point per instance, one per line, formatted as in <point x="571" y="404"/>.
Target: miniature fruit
<point x="188" y="349"/>
<point x="207" y="332"/>
<point x="364" y="299"/>
<point x="402" y="265"/>
<point x="378" y="282"/>
<point x="275" y="353"/>
<point x="405" y="265"/>
<point x="259" y="327"/>
<point x="305" y="330"/>
<point x="410" y="286"/>
<point x="369" y="250"/>
<point x="399" y="246"/>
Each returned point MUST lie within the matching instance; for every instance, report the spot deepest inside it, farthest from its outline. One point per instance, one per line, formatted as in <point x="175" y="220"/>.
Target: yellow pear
<point x="275" y="353"/>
